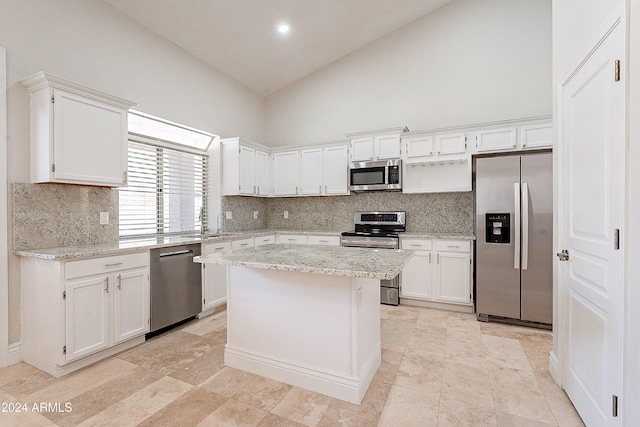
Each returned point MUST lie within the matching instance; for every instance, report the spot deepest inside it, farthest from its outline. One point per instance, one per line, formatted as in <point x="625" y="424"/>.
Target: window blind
<point x="166" y="191"/>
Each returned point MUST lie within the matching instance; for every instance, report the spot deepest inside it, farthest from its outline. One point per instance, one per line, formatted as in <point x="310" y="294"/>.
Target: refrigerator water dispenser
<point x="497" y="225"/>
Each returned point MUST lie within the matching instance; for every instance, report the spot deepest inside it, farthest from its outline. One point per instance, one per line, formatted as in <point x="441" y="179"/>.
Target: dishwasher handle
<point x="176" y="253"/>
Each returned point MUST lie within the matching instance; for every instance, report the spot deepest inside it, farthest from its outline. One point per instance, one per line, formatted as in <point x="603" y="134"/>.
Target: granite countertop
<point x="124" y="246"/>
<point x="384" y="264"/>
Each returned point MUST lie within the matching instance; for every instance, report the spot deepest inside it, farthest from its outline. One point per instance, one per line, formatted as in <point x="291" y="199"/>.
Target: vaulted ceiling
<point x="241" y="38"/>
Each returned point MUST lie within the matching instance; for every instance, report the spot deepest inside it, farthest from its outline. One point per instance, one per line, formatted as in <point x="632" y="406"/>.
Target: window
<point x="167" y="179"/>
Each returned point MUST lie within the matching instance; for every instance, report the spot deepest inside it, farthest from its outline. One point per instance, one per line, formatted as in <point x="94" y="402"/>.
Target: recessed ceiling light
<point x="284" y="28"/>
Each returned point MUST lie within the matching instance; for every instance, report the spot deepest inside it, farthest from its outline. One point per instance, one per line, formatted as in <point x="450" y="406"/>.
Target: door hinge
<point x="64" y="294"/>
<point x="614" y="405"/>
<point x="616" y="239"/>
<point x="617" y="72"/>
<point x="53" y="99"/>
<point x="53" y="167"/>
<point x="64" y="350"/>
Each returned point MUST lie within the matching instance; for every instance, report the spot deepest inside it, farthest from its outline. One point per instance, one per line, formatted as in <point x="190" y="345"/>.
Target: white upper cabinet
<point x="418" y="146"/>
<point x="455" y="143"/>
<point x="496" y="140"/>
<point x="261" y="176"/>
<point x="536" y="136"/>
<point x="335" y="165"/>
<point x="244" y="168"/>
<point x="285" y="173"/>
<point x="376" y="145"/>
<point x="362" y="149"/>
<point x="78" y="134"/>
<point x="387" y="147"/>
<point x="519" y="135"/>
<point x="310" y="173"/>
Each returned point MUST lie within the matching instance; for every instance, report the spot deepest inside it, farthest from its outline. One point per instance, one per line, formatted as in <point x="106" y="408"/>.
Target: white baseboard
<point x="15" y="353"/>
<point x="350" y="389"/>
<point x="554" y="368"/>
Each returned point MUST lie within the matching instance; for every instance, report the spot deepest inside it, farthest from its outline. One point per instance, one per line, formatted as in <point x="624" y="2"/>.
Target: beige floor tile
<point x="187" y="410"/>
<point x="139" y="406"/>
<point x="517" y="392"/>
<point x="303" y="406"/>
<point x="228" y="381"/>
<point x="428" y="318"/>
<point x="421" y="371"/>
<point x="468" y="382"/>
<point x="498" y="329"/>
<point x="455" y="413"/>
<point x="201" y="368"/>
<point x="562" y="408"/>
<point x="464" y="346"/>
<point x="96" y="400"/>
<point x="263" y="393"/>
<point x="79" y="382"/>
<point x="31" y="419"/>
<point x="395" y="334"/>
<point x="404" y="313"/>
<point x="408" y="407"/>
<point x="16" y="372"/>
<point x="389" y="365"/>
<point x="272" y="420"/>
<point x="509" y="420"/>
<point x="33" y="381"/>
<point x="505" y="352"/>
<point x="368" y="413"/>
<point x="233" y="413"/>
<point x="212" y="323"/>
<point x="430" y="339"/>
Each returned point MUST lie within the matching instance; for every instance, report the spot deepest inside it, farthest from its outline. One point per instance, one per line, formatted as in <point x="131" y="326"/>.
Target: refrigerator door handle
<point x="516" y="229"/>
<point x="525" y="225"/>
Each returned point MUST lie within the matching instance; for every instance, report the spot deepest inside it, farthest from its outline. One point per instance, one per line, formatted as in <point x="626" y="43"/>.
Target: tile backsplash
<point x="432" y="212"/>
<point x="55" y="215"/>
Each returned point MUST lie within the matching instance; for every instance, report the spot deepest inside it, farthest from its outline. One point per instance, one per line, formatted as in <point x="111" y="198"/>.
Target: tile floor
<point x="439" y="368"/>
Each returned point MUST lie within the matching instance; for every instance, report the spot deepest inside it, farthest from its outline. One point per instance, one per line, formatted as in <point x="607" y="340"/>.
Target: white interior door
<point x="591" y="208"/>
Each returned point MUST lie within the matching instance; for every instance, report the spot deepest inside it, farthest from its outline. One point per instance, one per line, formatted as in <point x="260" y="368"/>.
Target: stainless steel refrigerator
<point x="514" y="220"/>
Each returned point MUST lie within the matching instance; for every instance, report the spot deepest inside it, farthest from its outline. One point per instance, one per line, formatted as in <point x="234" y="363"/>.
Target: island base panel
<point x="319" y="332"/>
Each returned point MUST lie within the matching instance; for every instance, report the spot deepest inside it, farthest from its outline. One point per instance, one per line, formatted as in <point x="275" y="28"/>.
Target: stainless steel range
<point x="379" y="230"/>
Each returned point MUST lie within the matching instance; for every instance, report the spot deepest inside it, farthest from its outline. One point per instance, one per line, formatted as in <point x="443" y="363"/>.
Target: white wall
<point x="468" y="62"/>
<point x="90" y="43"/>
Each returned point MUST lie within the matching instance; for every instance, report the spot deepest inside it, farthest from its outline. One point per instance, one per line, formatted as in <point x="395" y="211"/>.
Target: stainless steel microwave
<point x="375" y="175"/>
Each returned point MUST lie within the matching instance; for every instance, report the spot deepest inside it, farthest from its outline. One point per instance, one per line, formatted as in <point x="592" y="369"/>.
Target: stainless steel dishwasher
<point x="176" y="285"/>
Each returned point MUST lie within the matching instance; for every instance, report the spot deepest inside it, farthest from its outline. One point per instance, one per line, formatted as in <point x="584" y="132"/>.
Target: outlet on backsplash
<point x="104" y="218"/>
<point x="286" y="214"/>
<point x="255" y="214"/>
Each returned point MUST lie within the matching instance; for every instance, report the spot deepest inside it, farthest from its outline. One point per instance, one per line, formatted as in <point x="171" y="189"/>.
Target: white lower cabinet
<point x="214" y="277"/>
<point x="324" y="240"/>
<point x="78" y="312"/>
<point x="299" y="239"/>
<point x="439" y="272"/>
<point x="265" y="240"/>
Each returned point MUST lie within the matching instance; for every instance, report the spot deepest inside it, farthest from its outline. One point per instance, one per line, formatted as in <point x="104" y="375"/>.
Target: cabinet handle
<point x="113" y="264"/>
<point x="453" y="246"/>
<point x="218" y="248"/>
<point x="119" y="278"/>
<point x="291" y="240"/>
<point x="319" y="188"/>
<point x="416" y="245"/>
<point x="258" y="190"/>
<point x="325" y="190"/>
<point x="324" y="241"/>
<point x="429" y="257"/>
<point x="244" y="244"/>
<point x="296" y="189"/>
<point x="254" y="189"/>
<point x="438" y="259"/>
<point x="106" y="284"/>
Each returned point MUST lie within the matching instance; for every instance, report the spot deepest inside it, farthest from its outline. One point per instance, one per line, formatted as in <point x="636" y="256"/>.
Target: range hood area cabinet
<point x="78" y="134"/>
<point x="245" y="168"/>
<point x="376" y="145"/>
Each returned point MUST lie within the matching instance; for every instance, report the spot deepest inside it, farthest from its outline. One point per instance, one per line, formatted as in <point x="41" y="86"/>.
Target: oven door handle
<point x="370" y="245"/>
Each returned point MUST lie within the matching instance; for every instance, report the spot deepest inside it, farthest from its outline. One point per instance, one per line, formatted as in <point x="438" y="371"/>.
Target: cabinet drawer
<point x="242" y="244"/>
<point x="324" y="240"/>
<point x="416" y="244"/>
<point x="265" y="240"/>
<point x="292" y="238"/>
<point x="211" y="248"/>
<point x="453" y="246"/>
<point x="87" y="267"/>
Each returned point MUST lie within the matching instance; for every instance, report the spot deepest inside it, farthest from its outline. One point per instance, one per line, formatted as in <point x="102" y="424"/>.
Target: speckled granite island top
<point x="382" y="264"/>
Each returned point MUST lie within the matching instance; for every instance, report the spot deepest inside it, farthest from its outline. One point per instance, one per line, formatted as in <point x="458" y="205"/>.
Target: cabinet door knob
<point x="119" y="278"/>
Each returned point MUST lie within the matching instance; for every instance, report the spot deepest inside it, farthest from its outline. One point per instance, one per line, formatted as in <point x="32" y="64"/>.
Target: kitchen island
<point x="308" y="316"/>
